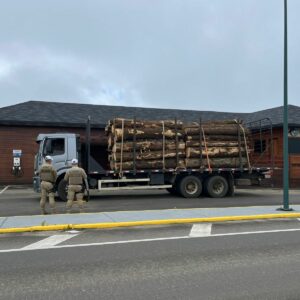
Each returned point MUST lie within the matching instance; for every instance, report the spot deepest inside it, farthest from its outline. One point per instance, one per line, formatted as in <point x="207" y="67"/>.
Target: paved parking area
<point x="20" y="201"/>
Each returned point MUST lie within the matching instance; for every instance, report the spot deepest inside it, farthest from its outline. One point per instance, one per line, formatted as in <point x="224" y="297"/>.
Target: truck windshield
<point x="55" y="146"/>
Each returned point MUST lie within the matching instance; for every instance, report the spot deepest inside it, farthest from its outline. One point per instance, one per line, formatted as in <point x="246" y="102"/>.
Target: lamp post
<point x="285" y="120"/>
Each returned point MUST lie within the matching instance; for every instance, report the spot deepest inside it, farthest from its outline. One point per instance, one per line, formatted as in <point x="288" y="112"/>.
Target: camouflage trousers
<point x="75" y="190"/>
<point x="47" y="190"/>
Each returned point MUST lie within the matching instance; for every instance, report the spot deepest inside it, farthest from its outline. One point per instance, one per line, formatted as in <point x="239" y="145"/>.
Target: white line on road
<point x="148" y="240"/>
<point x="199" y="230"/>
<point x="4" y="189"/>
<point x="49" y="241"/>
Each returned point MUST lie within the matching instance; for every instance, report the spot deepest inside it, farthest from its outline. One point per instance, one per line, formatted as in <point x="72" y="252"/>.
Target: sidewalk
<point x="141" y="218"/>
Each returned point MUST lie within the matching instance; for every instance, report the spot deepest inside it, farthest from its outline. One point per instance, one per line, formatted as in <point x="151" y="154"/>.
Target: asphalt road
<point x="17" y="202"/>
<point x="240" y="266"/>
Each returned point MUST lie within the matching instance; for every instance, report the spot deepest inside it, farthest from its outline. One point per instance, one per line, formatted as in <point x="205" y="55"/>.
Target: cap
<point x="48" y="157"/>
<point x="74" y="161"/>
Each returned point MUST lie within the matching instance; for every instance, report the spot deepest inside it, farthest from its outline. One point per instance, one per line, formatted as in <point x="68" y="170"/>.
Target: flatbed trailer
<point x="186" y="182"/>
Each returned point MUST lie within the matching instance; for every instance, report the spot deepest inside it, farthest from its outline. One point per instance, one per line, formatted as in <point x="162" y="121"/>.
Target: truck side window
<point x="54" y="147"/>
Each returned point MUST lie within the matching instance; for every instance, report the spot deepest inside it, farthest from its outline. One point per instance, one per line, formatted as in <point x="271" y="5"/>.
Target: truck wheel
<point x="62" y="190"/>
<point x="190" y="187"/>
<point x="217" y="187"/>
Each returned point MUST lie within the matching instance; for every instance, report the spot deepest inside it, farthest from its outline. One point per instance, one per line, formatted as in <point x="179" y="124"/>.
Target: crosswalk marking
<point x="4" y="189"/>
<point x="199" y="230"/>
<point x="49" y="241"/>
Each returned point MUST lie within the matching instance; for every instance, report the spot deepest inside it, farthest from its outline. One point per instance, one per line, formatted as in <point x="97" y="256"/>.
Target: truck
<point x="188" y="182"/>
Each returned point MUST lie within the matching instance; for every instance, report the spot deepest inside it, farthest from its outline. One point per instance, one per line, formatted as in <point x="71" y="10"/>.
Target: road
<point x="234" y="261"/>
<point x="18" y="202"/>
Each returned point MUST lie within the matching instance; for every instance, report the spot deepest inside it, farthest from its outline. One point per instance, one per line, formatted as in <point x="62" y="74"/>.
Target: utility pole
<point x="285" y="120"/>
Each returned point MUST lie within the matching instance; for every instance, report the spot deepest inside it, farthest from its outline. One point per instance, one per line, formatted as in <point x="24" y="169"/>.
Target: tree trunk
<point x="148" y="164"/>
<point x="129" y="123"/>
<point x="151" y="155"/>
<point x="214" y="152"/>
<point x="230" y="162"/>
<point x="149" y="145"/>
<point x="146" y="133"/>
<point x="215" y="129"/>
<point x="214" y="138"/>
<point x="195" y="144"/>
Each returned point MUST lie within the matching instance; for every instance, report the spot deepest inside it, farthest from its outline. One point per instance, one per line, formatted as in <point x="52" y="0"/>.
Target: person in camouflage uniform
<point x="76" y="178"/>
<point x="48" y="177"/>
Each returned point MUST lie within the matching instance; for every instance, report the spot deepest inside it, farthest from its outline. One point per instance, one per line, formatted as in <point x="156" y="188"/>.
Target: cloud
<point x="196" y="54"/>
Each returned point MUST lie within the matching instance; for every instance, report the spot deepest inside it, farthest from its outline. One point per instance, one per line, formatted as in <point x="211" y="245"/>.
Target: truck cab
<point x="62" y="147"/>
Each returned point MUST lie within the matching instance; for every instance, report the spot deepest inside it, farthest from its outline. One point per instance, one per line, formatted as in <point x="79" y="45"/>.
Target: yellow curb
<point x="149" y="222"/>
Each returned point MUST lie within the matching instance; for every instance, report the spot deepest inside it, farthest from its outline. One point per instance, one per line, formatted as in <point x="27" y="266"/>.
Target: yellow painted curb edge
<point x="148" y="222"/>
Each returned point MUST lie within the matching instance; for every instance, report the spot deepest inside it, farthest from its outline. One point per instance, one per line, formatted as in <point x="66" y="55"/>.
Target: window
<point x="54" y="147"/>
<point x="294" y="145"/>
<point x="259" y="146"/>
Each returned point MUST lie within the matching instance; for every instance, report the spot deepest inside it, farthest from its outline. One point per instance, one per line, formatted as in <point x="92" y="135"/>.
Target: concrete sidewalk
<point x="140" y="218"/>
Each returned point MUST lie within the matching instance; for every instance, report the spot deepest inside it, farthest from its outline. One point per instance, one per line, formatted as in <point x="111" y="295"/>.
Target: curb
<point x="148" y="222"/>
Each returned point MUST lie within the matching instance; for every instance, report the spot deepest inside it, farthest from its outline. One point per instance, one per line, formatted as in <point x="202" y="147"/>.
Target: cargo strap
<point x="122" y="147"/>
<point x="206" y="150"/>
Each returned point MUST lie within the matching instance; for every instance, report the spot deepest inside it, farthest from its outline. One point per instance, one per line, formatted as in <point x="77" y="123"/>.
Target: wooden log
<point x="209" y="123"/>
<point x="229" y="162"/>
<point x="149" y="145"/>
<point x="215" y="129"/>
<point x="146" y="133"/>
<point x="151" y="155"/>
<point x="213" y="138"/>
<point x="193" y="143"/>
<point x="148" y="164"/>
<point x="214" y="152"/>
<point x="129" y="123"/>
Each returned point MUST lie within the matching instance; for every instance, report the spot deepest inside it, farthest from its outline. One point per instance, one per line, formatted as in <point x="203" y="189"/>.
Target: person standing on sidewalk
<point x="77" y="179"/>
<point x="48" y="177"/>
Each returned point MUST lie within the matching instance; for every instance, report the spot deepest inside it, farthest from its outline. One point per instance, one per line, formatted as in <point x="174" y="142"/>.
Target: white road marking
<point x="148" y="240"/>
<point x="1" y="192"/>
<point x="199" y="230"/>
<point x="49" y="241"/>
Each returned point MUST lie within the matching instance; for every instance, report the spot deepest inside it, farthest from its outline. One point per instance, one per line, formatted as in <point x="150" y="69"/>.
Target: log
<point x="148" y="164"/>
<point x="129" y="123"/>
<point x="194" y="143"/>
<point x="215" y="129"/>
<point x="149" y="145"/>
<point x="229" y="162"/>
<point x="146" y="133"/>
<point x="215" y="138"/>
<point x="215" y="152"/>
<point x="151" y="155"/>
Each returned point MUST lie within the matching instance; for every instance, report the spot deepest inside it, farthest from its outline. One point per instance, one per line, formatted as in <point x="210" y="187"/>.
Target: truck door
<point x="57" y="148"/>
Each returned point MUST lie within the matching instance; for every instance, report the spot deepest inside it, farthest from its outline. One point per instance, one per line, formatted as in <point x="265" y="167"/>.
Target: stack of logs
<point x="171" y="144"/>
<point x="216" y="144"/>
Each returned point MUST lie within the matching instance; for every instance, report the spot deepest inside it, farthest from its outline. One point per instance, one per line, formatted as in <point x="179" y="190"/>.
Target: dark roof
<point x="40" y="113"/>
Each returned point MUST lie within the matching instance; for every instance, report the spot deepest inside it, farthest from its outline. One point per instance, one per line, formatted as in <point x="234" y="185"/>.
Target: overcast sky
<point x="222" y="55"/>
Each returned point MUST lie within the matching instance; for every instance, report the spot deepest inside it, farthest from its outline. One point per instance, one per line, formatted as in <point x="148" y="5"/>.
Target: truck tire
<point x="190" y="187"/>
<point x="62" y="190"/>
<point x="216" y="187"/>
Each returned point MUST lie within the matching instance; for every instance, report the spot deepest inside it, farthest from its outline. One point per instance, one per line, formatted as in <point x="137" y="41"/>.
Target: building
<point x="21" y="123"/>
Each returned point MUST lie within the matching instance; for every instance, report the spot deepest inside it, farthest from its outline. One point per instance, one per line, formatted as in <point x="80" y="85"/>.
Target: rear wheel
<point x="190" y="187"/>
<point x="216" y="187"/>
<point x="62" y="190"/>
